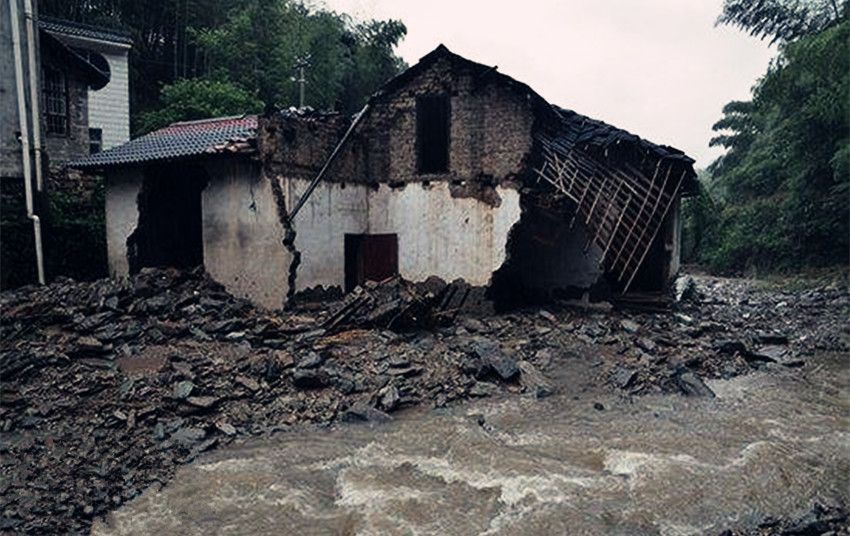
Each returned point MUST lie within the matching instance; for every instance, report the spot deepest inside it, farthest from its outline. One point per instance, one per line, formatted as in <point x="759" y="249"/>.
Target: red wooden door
<point x="369" y="257"/>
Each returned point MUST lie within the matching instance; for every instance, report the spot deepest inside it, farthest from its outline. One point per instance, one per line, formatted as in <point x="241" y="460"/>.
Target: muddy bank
<point x="108" y="387"/>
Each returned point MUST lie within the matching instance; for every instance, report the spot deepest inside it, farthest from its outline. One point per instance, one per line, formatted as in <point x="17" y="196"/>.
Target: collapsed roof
<point x="622" y="185"/>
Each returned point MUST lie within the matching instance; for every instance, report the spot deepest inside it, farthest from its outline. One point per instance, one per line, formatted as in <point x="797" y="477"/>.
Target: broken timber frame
<point x="625" y="226"/>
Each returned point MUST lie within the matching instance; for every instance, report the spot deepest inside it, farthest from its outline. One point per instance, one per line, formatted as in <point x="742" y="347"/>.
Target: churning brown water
<point x="771" y="443"/>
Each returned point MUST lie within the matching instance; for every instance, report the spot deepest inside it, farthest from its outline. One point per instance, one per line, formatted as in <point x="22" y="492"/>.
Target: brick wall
<point x="297" y="146"/>
<point x="75" y="143"/>
<point x="490" y="133"/>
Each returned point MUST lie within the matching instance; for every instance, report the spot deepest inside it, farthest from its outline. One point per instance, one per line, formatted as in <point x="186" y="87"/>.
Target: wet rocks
<point x="494" y="360"/>
<point x="690" y="384"/>
<point x="362" y="412"/>
<point x="623" y="377"/>
<point x="310" y="378"/>
<point x="183" y="389"/>
<point x="481" y="388"/>
<point x="388" y="398"/>
<point x="533" y="381"/>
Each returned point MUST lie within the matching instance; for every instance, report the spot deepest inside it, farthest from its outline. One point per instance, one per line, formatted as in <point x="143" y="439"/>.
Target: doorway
<point x="369" y="257"/>
<point x="170" y="230"/>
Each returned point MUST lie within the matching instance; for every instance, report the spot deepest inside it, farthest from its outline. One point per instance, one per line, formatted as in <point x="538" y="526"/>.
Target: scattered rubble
<point x="819" y="521"/>
<point x="107" y="386"/>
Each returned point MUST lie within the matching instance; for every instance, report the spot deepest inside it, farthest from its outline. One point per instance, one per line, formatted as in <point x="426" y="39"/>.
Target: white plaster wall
<point x="242" y="234"/>
<point x="441" y="235"/>
<point x="437" y="234"/>
<point x="122" y="216"/>
<point x="332" y="211"/>
<point x="109" y="107"/>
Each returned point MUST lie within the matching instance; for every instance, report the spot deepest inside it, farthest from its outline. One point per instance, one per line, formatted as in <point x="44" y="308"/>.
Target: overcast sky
<point x="658" y="68"/>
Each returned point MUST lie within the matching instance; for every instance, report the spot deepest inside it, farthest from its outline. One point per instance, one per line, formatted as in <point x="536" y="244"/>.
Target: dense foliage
<point x="778" y="198"/>
<point x="198" y="98"/>
<point x="199" y="58"/>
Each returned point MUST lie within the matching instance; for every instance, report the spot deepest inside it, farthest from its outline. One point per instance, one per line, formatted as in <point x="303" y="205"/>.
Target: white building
<point x="108" y="50"/>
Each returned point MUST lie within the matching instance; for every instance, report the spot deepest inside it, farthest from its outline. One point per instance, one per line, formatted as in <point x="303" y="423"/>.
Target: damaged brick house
<point x="451" y="170"/>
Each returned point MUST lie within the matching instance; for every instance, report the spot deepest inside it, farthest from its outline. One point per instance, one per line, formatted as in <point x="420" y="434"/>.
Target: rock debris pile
<point x="107" y="386"/>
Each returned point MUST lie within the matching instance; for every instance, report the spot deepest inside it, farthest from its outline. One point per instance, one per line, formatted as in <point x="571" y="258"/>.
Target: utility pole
<point x="301" y="64"/>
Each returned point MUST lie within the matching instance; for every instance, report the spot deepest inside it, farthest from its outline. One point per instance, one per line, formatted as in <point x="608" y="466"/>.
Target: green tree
<point x="781" y="189"/>
<point x="261" y="43"/>
<point x="197" y="98"/>
<point x="781" y="20"/>
<point x="253" y="44"/>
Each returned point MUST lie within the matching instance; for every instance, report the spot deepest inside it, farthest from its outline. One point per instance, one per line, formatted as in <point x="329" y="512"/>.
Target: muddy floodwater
<point x="771" y="444"/>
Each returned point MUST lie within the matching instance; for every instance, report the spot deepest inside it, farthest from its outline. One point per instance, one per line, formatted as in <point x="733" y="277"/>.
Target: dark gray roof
<point x="221" y="135"/>
<point x="79" y="29"/>
<point x="578" y="130"/>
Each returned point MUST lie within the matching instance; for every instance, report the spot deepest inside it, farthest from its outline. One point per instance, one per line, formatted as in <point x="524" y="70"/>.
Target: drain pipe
<point x="25" y="136"/>
<point x="34" y="96"/>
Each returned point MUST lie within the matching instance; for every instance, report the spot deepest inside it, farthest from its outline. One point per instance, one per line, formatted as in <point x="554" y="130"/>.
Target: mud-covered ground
<point x="107" y="387"/>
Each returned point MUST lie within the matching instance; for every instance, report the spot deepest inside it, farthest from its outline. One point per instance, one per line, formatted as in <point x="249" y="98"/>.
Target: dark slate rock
<point x="309" y="378"/>
<point x="183" y="389"/>
<point x="623" y="377"/>
<point x="730" y="346"/>
<point x="691" y="384"/>
<point x="311" y="360"/>
<point x="361" y="412"/>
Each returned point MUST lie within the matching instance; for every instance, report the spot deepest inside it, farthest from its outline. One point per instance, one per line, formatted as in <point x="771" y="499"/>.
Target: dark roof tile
<point x="189" y="138"/>
<point x="79" y="29"/>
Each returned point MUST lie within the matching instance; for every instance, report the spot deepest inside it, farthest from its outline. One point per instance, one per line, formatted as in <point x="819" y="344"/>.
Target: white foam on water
<point x="627" y="463"/>
<point x="548" y="487"/>
<point x="352" y="491"/>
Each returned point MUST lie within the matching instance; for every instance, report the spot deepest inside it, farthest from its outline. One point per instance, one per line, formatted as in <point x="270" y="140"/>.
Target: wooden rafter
<point x="622" y="208"/>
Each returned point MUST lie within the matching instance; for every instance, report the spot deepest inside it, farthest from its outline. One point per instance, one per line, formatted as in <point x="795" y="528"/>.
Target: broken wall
<point x="547" y="255"/>
<point x="438" y="234"/>
<point x="242" y="234"/>
<point x="122" y="215"/>
<point x="490" y="131"/>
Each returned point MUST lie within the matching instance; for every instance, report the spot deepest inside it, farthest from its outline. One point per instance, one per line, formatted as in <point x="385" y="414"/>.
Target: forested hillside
<point x="778" y="198"/>
<point x="201" y="58"/>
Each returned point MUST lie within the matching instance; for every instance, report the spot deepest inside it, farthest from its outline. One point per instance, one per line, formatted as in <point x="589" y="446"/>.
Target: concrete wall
<point x="442" y="235"/>
<point x="333" y="210"/>
<point x="242" y="234"/>
<point x="122" y="215"/>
